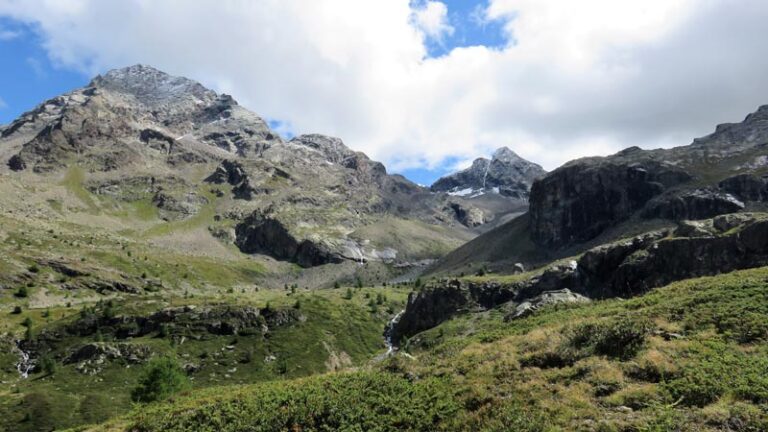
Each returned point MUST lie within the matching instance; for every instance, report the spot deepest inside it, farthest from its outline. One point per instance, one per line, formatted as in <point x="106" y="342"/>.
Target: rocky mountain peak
<point x="153" y="87"/>
<point x="505" y="173"/>
<point x="332" y="148"/>
<point x="504" y="154"/>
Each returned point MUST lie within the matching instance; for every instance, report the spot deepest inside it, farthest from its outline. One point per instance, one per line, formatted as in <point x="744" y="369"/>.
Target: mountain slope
<point x="594" y="200"/>
<point x="194" y="159"/>
<point x="660" y="362"/>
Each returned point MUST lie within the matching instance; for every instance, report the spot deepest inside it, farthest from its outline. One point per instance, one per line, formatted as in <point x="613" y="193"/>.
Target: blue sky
<point x="30" y="77"/>
<point x="27" y="75"/>
<point x="469" y="29"/>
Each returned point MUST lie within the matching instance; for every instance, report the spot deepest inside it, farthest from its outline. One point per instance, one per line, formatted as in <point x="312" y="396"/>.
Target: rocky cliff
<point x="717" y="174"/>
<point x="622" y="269"/>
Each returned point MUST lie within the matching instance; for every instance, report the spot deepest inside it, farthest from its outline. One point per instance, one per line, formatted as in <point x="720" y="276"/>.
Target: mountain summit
<point x="505" y="173"/>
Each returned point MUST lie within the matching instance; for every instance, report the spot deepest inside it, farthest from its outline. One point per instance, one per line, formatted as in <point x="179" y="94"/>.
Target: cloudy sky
<point x="423" y="85"/>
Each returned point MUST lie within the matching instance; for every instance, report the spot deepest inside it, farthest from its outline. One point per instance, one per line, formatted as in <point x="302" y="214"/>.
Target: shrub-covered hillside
<point x="692" y="356"/>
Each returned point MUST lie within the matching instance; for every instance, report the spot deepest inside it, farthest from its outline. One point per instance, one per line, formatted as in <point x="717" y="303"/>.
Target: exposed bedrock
<point x="622" y="269"/>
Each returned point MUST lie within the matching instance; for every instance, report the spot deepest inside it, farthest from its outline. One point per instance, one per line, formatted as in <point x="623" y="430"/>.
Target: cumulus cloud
<point x="432" y="18"/>
<point x="576" y="78"/>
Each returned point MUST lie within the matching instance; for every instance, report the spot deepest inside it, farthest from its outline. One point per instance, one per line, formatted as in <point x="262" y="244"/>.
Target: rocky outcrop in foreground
<point x="623" y="269"/>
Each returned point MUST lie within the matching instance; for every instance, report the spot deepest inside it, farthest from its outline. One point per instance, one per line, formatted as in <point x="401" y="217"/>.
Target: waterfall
<point x="25" y="364"/>
<point x="389" y="336"/>
<point x="389" y="332"/>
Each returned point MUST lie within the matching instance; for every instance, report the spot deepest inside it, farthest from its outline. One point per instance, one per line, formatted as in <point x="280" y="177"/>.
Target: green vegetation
<point x="73" y="182"/>
<point x="162" y="377"/>
<point x="332" y="334"/>
<point x="692" y="356"/>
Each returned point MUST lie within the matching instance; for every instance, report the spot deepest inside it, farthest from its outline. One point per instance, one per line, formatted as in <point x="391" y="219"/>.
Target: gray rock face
<point x="746" y="187"/>
<point x="623" y="269"/>
<point x="697" y="204"/>
<point x="467" y="215"/>
<point x="262" y="234"/>
<point x="547" y="298"/>
<point x="580" y="200"/>
<point x="139" y="134"/>
<point x="506" y="173"/>
<point x="132" y="115"/>
<point x="333" y="149"/>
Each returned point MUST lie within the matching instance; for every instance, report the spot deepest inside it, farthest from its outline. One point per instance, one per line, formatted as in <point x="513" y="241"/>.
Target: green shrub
<point x="162" y="377"/>
<point x="621" y="338"/>
<point x="715" y="369"/>
<point x="366" y="401"/>
<point x="48" y="364"/>
<point x="22" y="292"/>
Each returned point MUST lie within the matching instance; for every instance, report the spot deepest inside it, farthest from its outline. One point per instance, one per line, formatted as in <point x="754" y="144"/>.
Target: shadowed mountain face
<point x="721" y="173"/>
<point x="140" y="135"/>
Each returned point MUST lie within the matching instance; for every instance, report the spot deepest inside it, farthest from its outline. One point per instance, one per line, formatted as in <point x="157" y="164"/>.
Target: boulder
<point x="547" y="298"/>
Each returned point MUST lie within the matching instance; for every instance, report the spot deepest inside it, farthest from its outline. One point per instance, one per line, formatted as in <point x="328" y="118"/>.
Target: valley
<point x="170" y="263"/>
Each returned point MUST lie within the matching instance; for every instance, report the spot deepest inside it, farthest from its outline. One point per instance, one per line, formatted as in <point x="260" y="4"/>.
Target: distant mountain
<point x="139" y="136"/>
<point x="505" y="173"/>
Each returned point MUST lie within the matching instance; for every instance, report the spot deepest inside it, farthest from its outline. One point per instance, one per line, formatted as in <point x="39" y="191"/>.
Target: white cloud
<point x="580" y="78"/>
<point x="432" y="18"/>
<point x="3" y="105"/>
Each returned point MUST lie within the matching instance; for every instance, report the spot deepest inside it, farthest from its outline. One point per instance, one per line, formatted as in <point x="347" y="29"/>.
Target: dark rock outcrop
<point x="578" y="201"/>
<point x="16" y="163"/>
<point x="747" y="187"/>
<point x="435" y="304"/>
<point x="623" y="269"/>
<point x="263" y="234"/>
<point x="130" y="353"/>
<point x="583" y="198"/>
<point x="196" y="322"/>
<point x="697" y="204"/>
<point x="466" y="215"/>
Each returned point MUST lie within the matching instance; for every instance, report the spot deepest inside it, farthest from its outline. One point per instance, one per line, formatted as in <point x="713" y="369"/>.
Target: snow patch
<point x="462" y="192"/>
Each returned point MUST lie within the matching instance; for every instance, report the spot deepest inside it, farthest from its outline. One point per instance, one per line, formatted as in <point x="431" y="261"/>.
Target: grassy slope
<point x="337" y="333"/>
<point x="691" y="356"/>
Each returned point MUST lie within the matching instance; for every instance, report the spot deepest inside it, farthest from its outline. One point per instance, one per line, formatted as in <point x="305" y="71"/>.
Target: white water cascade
<point x="389" y="333"/>
<point x="25" y="364"/>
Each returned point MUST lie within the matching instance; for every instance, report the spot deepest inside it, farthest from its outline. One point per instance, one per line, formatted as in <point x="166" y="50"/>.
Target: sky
<point x="424" y="86"/>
